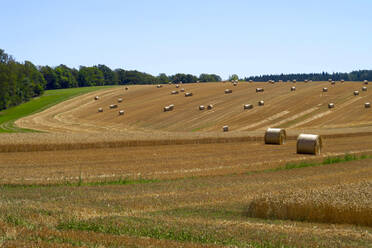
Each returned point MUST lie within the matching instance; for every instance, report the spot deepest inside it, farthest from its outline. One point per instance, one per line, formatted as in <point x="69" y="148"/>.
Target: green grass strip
<point x="81" y="183"/>
<point x="143" y="227"/>
<point x="48" y="99"/>
<point x="326" y="161"/>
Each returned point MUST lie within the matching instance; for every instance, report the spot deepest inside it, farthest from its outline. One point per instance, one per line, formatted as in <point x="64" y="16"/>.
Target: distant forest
<point x="19" y="82"/>
<point x="324" y="76"/>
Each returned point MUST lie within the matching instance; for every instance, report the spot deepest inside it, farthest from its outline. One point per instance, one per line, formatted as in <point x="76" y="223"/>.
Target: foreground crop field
<point x="150" y="178"/>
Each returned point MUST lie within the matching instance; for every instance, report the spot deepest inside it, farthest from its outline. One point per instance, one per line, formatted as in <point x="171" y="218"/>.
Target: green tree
<point x="50" y="77"/>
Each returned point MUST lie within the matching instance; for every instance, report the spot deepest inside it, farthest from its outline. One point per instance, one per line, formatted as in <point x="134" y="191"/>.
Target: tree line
<point x="360" y="75"/>
<point x="19" y="82"/>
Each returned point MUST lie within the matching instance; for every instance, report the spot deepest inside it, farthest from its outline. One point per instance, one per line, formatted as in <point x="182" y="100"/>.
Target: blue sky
<point x="221" y="37"/>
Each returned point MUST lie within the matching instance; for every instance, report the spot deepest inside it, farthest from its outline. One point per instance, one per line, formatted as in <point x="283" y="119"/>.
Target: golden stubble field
<point x="173" y="179"/>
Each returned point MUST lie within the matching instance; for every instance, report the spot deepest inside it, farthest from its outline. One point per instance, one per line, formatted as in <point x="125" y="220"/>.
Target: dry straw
<point x="309" y="144"/>
<point x="276" y="136"/>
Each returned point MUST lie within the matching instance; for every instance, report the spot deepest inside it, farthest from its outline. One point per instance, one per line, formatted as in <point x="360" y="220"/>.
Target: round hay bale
<point x="96" y="97"/>
<point x="306" y="81"/>
<point x="188" y="94"/>
<point x="342" y="81"/>
<point x="331" y="105"/>
<point x="367" y="105"/>
<point x="169" y="82"/>
<point x="325" y="89"/>
<point x="210" y="106"/>
<point x="201" y="107"/>
<point x="275" y="136"/>
<point x="294" y="81"/>
<point x="159" y="86"/>
<point x="112" y="106"/>
<point x="169" y="108"/>
<point x="120" y="100"/>
<point x="126" y="88"/>
<point x="247" y="106"/>
<point x="228" y="91"/>
<point x="177" y="86"/>
<point x="333" y="82"/>
<point x="251" y="81"/>
<point x="235" y="84"/>
<point x="330" y="80"/>
<point x="121" y="112"/>
<point x="182" y="90"/>
<point x="261" y="103"/>
<point x="225" y="128"/>
<point x="364" y="88"/>
<point x="309" y="144"/>
<point x="100" y="110"/>
<point x="365" y="81"/>
<point x="356" y="93"/>
<point x="174" y="92"/>
<point x="259" y="90"/>
<point x="293" y="88"/>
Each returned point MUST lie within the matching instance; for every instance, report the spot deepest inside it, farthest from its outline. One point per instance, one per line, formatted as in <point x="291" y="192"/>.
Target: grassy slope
<point x="48" y="99"/>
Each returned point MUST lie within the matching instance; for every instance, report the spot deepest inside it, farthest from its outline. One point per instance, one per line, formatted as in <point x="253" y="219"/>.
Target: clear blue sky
<point x="210" y="36"/>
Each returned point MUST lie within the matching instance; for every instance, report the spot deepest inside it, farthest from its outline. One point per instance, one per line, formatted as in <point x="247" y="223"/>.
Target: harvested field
<point x="151" y="178"/>
<point x="144" y="106"/>
<point x="198" y="211"/>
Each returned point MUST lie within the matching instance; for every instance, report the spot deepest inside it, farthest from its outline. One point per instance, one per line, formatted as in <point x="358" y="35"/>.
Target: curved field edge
<point x="38" y="104"/>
